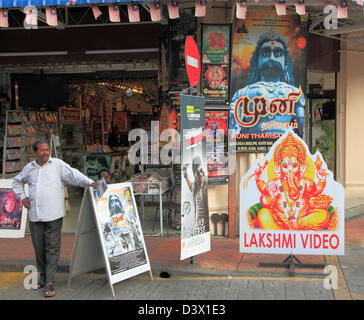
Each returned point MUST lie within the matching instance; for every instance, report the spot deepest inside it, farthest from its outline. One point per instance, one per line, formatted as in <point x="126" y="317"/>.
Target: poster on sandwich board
<point x="112" y="238"/>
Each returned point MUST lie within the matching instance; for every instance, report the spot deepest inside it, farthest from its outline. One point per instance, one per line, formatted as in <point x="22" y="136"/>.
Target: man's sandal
<point x="40" y="285"/>
<point x="49" y="290"/>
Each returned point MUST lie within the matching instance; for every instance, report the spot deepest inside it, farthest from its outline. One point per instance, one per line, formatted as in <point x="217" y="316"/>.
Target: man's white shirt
<point x="46" y="187"/>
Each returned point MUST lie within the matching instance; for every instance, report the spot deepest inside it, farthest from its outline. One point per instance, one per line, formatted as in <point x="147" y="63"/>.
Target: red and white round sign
<point x="192" y="59"/>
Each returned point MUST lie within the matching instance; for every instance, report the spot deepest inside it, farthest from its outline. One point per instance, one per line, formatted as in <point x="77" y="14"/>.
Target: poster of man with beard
<point x="269" y="80"/>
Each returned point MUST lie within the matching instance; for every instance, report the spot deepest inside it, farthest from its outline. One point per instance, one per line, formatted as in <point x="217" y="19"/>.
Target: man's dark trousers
<point x="46" y="238"/>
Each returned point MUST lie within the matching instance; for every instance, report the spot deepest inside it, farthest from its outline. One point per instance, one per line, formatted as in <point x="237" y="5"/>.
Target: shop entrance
<point x="323" y="126"/>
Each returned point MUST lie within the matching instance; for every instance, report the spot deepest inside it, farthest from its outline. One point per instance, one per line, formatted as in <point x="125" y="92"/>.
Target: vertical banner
<point x="268" y="79"/>
<point x="215" y="62"/>
<point x="195" y="233"/>
<point x="290" y="203"/>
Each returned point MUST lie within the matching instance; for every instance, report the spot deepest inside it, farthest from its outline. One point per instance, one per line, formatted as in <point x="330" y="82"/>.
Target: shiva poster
<point x="268" y="79"/>
<point x="120" y="232"/>
<point x="290" y="203"/>
<point x="13" y="215"/>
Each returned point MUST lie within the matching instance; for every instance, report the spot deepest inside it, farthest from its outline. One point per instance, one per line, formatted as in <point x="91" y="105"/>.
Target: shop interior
<point x="87" y="126"/>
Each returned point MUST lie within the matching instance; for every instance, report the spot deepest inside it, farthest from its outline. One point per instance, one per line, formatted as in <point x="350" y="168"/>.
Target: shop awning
<point x="51" y="3"/>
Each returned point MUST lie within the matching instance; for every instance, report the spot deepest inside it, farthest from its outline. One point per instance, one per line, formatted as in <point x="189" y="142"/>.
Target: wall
<point x="351" y="114"/>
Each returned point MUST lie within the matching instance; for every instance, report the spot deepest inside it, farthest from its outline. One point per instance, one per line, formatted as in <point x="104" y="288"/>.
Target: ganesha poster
<point x="290" y="203"/>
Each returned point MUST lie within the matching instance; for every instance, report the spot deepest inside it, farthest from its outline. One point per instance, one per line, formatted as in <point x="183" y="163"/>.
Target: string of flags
<point x="155" y="9"/>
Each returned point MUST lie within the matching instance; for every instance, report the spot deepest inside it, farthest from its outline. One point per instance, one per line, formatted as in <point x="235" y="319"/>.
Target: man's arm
<point x="75" y="178"/>
<point x="18" y="188"/>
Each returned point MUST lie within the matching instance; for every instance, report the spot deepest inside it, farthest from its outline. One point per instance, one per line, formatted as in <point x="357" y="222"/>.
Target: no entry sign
<point x="192" y="58"/>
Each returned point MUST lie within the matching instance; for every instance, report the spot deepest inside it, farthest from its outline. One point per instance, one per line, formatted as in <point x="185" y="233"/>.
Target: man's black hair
<point x="37" y="143"/>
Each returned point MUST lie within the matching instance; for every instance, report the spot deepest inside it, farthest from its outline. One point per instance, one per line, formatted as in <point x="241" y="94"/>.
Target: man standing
<point x="45" y="177"/>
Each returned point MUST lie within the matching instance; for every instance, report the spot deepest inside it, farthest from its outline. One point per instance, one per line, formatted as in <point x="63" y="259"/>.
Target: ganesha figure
<point x="291" y="199"/>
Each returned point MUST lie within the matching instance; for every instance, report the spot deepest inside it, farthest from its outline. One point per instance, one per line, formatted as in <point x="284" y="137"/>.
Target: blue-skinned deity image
<point x="270" y="102"/>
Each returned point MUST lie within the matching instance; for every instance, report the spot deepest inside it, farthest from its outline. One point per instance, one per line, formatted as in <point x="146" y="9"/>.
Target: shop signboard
<point x="109" y="235"/>
<point x="13" y="216"/>
<point x="268" y="79"/>
<point x="290" y="203"/>
<point x="195" y="233"/>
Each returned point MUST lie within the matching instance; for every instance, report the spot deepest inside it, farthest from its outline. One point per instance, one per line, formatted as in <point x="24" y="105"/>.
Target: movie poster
<point x="216" y="125"/>
<point x="268" y="79"/>
<point x="12" y="214"/>
<point x="195" y="233"/>
<point x="290" y="203"/>
<point x="120" y="231"/>
<point x="215" y="43"/>
<point x="215" y="81"/>
<point x="215" y="62"/>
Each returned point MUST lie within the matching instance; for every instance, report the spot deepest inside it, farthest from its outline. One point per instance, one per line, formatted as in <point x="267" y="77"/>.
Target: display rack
<point x="22" y="129"/>
<point x="71" y="137"/>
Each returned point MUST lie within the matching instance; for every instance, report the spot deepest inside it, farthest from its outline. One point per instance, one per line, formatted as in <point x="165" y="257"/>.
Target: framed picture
<point x="120" y="120"/>
<point x="115" y="168"/>
<point x="13" y="216"/>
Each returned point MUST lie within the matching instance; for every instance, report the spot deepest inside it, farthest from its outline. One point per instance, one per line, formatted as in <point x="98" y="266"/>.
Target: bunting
<point x="114" y="13"/>
<point x="173" y="10"/>
<point x="200" y="10"/>
<point x="4" y="18"/>
<point x="96" y="11"/>
<point x="342" y="9"/>
<point x="300" y="7"/>
<point x="241" y="8"/>
<point x="281" y="7"/>
<point x="133" y="11"/>
<point x="155" y="10"/>
<point x="51" y="16"/>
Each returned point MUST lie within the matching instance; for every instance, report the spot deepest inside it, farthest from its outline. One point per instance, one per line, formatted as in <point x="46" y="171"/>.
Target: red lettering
<point x="253" y="240"/>
<point x="316" y="244"/>
<point x="304" y="242"/>
<point x="261" y="242"/>
<point x="275" y="240"/>
<point x="269" y="236"/>
<point x="337" y="241"/>
<point x="325" y="241"/>
<point x="245" y="244"/>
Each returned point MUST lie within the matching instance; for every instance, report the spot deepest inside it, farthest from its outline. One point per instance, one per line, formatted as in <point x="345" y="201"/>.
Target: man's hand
<point x="26" y="203"/>
<point x="94" y="184"/>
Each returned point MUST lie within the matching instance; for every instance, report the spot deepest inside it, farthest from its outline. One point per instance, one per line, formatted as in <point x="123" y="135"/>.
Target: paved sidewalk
<point x="224" y="262"/>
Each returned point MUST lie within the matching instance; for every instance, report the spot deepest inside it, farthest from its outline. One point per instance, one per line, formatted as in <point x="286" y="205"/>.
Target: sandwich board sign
<point x="109" y="235"/>
<point x="290" y="203"/>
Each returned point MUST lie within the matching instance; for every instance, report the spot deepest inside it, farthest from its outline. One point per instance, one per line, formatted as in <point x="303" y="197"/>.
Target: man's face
<point x="115" y="205"/>
<point x="198" y="175"/>
<point x="42" y="154"/>
<point x="271" y="60"/>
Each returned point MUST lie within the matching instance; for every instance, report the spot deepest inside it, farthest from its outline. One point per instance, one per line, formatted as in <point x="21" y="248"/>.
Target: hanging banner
<point x="195" y="233"/>
<point x="13" y="216"/>
<point x="290" y="203"/>
<point x="268" y="79"/>
<point x="215" y="81"/>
